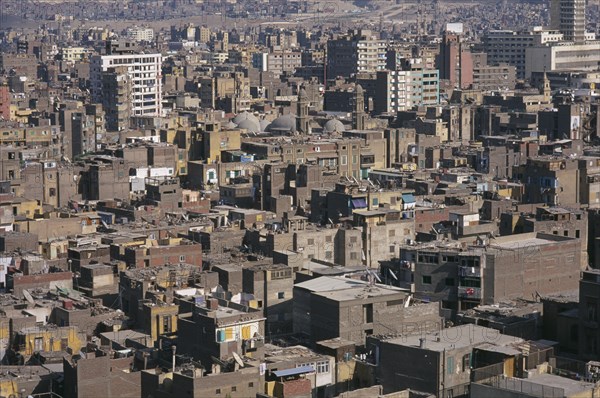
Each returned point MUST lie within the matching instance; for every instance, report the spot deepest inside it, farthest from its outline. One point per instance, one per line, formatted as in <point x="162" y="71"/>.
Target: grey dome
<point x="264" y="124"/>
<point x="284" y="123"/>
<point x="250" y="125"/>
<point x="333" y="126"/>
<point x="245" y="116"/>
<point x="230" y="126"/>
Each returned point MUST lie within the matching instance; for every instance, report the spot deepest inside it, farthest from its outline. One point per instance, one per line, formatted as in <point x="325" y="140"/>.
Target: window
<point x="251" y="384"/>
<point x="218" y="391"/>
<point x="328" y="239"/>
<point x="328" y="255"/>
<point x="281" y="295"/>
<point x="353" y="256"/>
<point x="466" y="362"/>
<point x="450" y="365"/>
<point x="182" y="258"/>
<point x="566" y="233"/>
<point x="577" y="233"/>
<point x="368" y="313"/>
<point x="233" y="389"/>
<point x="311" y="242"/>
<point x="167" y="324"/>
<point x="323" y="367"/>
<point x="391" y="233"/>
<point x="426" y="279"/>
<point x="574" y="333"/>
<point x="449" y="281"/>
<point x="38" y="344"/>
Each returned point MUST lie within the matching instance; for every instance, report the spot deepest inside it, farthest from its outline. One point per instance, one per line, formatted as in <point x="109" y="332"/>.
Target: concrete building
<point x="330" y="307"/>
<point x="272" y="286"/>
<point x="139" y="33"/>
<point x="402" y="89"/>
<point x="463" y="276"/>
<point x="439" y="363"/>
<point x="196" y="383"/>
<point x="217" y="328"/>
<point x="358" y="51"/>
<point x="455" y="61"/>
<point x="509" y="47"/>
<point x="568" y="17"/>
<point x="144" y="71"/>
<point x="589" y="308"/>
<point x="277" y="62"/>
<point x="117" y="93"/>
<point x="566" y="56"/>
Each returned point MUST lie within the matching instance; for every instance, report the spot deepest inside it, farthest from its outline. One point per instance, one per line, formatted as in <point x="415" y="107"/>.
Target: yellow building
<point x="49" y="339"/>
<point x="158" y="319"/>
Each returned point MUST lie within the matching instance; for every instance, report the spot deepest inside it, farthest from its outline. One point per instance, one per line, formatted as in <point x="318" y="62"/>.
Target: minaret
<point x="302" y="112"/>
<point x="547" y="91"/>
<point x="358" y="114"/>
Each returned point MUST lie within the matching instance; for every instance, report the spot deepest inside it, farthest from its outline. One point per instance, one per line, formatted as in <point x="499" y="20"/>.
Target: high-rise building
<point x="509" y="46"/>
<point x="402" y="89"/>
<point x="358" y="51"/>
<point x="454" y="61"/>
<point x="144" y="71"/>
<point x="116" y="97"/>
<point x="568" y="16"/>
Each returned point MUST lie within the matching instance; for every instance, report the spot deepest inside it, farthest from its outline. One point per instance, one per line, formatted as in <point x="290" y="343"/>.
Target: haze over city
<point x="299" y="199"/>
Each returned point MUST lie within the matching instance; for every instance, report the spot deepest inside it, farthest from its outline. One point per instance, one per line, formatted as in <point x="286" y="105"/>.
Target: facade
<point x="509" y="47"/>
<point x="401" y="90"/>
<point x="144" y="72"/>
<point x="462" y="276"/>
<point x="589" y="308"/>
<point x="216" y="328"/>
<point x="117" y="95"/>
<point x="567" y="56"/>
<point x="358" y="51"/>
<point x="330" y="307"/>
<point x="568" y="17"/>
<point x="440" y="363"/>
<point x="454" y="61"/>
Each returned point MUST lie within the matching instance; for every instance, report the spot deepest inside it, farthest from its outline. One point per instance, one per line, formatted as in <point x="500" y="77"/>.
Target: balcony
<point x="469" y="292"/>
<point x="469" y="272"/>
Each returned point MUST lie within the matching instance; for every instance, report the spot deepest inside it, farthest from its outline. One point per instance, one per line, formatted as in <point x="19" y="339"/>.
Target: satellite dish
<point x="238" y="359"/>
<point x="28" y="296"/>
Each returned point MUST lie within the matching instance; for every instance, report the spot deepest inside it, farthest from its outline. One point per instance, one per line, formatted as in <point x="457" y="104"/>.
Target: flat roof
<point x="457" y="337"/>
<point x="571" y="387"/>
<point x="359" y="293"/>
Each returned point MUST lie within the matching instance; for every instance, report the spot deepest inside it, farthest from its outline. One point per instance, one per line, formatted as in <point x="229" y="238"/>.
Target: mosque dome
<point x="250" y="125"/>
<point x="264" y="124"/>
<point x="333" y="126"/>
<point x="284" y="123"/>
<point x="248" y="121"/>
<point x="245" y="116"/>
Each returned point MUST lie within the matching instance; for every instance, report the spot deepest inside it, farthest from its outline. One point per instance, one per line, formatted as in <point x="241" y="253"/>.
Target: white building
<point x="145" y="73"/>
<point x="508" y="46"/>
<point x="138" y="33"/>
<point x="566" y="56"/>
<point x="400" y="90"/>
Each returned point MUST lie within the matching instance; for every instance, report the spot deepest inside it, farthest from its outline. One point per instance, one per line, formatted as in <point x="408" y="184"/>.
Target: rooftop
<point x="457" y="337"/>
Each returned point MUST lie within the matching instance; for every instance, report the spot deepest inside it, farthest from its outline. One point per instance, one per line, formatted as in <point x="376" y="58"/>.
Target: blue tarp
<point x="408" y="198"/>
<point x="294" y="371"/>
<point x="359" y="203"/>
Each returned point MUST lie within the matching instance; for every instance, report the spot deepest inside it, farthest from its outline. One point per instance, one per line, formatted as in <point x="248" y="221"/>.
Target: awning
<point x="294" y="371"/>
<point x="359" y="203"/>
<point x="408" y="198"/>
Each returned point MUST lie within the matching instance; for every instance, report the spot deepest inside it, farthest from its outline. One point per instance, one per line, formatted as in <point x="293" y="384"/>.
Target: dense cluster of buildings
<point x="279" y="211"/>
